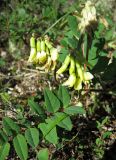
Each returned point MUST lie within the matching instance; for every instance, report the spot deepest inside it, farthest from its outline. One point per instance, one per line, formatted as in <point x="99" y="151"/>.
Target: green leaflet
<point x="64" y="96"/>
<point x="20" y="146"/>
<point x="3" y="137"/>
<point x="51" y="101"/>
<point x="10" y="126"/>
<point x="64" y="123"/>
<point x="32" y="136"/>
<point x="72" y="22"/>
<point x="49" y="128"/>
<point x="4" y="151"/>
<point x="74" y="110"/>
<point x="49" y="132"/>
<point x="43" y="154"/>
<point x="35" y="107"/>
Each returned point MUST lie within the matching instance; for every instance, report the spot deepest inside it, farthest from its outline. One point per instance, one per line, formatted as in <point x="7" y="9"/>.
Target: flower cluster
<point x="88" y="18"/>
<point x="42" y="53"/>
<point x="77" y="74"/>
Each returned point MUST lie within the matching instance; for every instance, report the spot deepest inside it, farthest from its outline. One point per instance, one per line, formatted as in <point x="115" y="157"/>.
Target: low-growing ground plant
<point x="47" y="121"/>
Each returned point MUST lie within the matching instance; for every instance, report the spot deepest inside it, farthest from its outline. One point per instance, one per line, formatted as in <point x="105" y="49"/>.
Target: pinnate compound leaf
<point x="20" y="146"/>
<point x="43" y="154"/>
<point x="10" y="126"/>
<point x="64" y="96"/>
<point x="32" y="136"/>
<point x="4" y="151"/>
<point x="49" y="128"/>
<point x="51" y="101"/>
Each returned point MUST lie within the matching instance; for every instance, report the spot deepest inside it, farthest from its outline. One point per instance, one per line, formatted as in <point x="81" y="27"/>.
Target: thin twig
<point x="31" y="70"/>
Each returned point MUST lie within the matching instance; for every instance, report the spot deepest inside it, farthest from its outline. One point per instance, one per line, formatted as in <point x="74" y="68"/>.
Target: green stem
<point x="55" y="23"/>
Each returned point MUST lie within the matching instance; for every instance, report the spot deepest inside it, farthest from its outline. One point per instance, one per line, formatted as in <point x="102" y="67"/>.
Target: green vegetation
<point x="57" y="80"/>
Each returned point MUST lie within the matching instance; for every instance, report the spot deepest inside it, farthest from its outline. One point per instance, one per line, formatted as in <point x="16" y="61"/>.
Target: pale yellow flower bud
<point x="54" y="54"/>
<point x="71" y="80"/>
<point x="87" y="76"/>
<point x="32" y="56"/>
<point x="78" y="84"/>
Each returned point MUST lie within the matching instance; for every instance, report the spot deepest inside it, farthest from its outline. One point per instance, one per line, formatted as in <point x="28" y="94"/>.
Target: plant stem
<point x="56" y="23"/>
